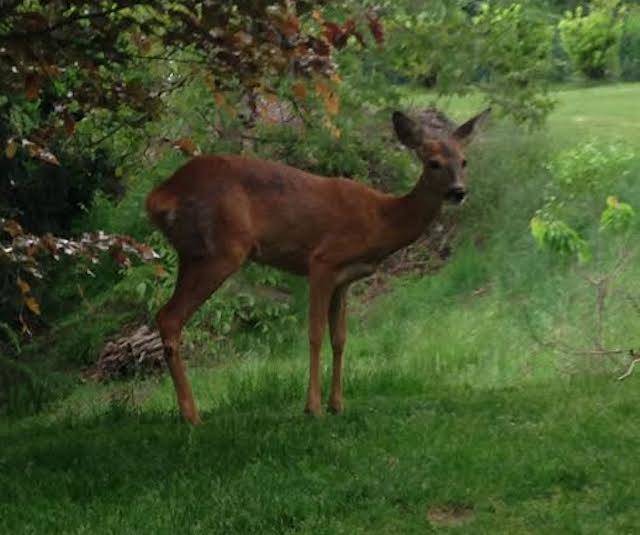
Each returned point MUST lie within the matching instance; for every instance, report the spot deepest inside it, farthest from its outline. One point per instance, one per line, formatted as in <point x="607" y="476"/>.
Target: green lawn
<point x="606" y="112"/>
<point x="456" y="419"/>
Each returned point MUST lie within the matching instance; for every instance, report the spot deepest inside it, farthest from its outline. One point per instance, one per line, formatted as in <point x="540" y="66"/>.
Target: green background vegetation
<point x="459" y="401"/>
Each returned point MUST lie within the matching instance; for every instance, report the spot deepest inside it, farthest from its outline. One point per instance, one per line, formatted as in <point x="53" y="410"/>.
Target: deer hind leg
<point x="198" y="278"/>
<point x="321" y="286"/>
<point x="338" y="330"/>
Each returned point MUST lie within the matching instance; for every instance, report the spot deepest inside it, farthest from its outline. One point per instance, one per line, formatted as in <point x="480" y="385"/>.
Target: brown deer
<point x="220" y="211"/>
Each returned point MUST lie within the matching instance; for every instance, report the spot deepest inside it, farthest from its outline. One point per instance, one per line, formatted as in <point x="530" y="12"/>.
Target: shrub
<point x="592" y="38"/>
<point x="582" y="178"/>
<point x="630" y="47"/>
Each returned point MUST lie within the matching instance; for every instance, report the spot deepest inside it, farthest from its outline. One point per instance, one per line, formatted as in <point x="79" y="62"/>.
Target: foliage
<point x="62" y="61"/>
<point x="557" y="236"/>
<point x="448" y="353"/>
<point x="592" y="38"/>
<point x="603" y="238"/>
<point x="257" y="301"/>
<point x="591" y="167"/>
<point x="501" y="51"/>
<point x="26" y="389"/>
<point x="76" y="75"/>
<point x="630" y="46"/>
<point x="581" y="178"/>
<point x="617" y="216"/>
<point x="22" y="262"/>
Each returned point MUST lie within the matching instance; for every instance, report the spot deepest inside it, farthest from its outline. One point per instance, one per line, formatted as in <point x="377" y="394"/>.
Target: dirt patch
<point x="451" y="515"/>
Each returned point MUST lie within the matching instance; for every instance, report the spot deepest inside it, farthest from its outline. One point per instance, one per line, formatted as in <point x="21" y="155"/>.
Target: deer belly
<point x="293" y="260"/>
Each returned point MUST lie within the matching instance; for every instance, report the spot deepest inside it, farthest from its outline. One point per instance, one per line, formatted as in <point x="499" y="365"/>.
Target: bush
<point x="592" y="38"/>
<point x="630" y="47"/>
<point x="582" y="178"/>
<point x="26" y="390"/>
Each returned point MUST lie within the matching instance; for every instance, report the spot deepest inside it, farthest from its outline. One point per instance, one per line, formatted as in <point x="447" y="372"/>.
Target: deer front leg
<point x="338" y="330"/>
<point x="321" y="285"/>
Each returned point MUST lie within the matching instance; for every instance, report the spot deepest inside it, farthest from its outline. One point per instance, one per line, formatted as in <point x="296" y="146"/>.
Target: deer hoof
<point x="315" y="411"/>
<point x="192" y="417"/>
<point x="336" y="407"/>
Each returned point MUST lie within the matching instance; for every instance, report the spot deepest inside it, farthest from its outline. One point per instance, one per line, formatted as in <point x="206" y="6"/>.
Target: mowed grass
<point x="608" y="112"/>
<point x="555" y="458"/>
<point x="457" y="420"/>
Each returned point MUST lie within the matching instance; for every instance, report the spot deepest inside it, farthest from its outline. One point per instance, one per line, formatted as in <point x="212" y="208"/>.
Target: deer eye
<point x="434" y="164"/>
<point x="464" y="163"/>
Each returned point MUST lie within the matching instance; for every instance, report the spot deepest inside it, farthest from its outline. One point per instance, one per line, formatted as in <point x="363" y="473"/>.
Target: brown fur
<point x="220" y="211"/>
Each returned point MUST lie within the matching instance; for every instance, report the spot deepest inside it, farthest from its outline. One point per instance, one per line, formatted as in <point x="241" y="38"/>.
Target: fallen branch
<point x="631" y="367"/>
<point x="136" y="354"/>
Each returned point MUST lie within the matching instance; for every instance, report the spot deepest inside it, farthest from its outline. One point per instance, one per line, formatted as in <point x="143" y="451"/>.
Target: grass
<point x="556" y="458"/>
<point x="456" y="419"/>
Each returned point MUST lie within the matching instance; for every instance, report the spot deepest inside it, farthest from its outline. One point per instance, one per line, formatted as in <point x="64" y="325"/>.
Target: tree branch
<point x="629" y="371"/>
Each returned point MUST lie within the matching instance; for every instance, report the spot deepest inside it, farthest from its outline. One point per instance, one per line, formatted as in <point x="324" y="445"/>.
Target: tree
<point x="111" y="64"/>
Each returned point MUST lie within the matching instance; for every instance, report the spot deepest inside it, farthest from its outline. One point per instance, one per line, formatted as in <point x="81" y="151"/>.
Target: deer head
<point x="439" y="144"/>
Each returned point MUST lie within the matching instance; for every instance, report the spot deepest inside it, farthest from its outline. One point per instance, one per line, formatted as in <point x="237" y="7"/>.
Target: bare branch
<point x="631" y="367"/>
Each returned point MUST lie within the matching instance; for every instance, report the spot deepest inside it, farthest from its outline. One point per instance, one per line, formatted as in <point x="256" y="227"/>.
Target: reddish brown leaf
<point x="11" y="148"/>
<point x="220" y="99"/>
<point x="375" y="25"/>
<point x="32" y="86"/>
<point x="329" y="97"/>
<point x="332" y="32"/>
<point x="338" y="36"/>
<point x="48" y="241"/>
<point x="222" y="104"/>
<point x="145" y="252"/>
<point x="349" y="26"/>
<point x="51" y="70"/>
<point x="32" y="304"/>
<point x="319" y="46"/>
<point x="142" y="42"/>
<point x="322" y="88"/>
<point x="333" y="129"/>
<point x="23" y="285"/>
<point x="118" y="255"/>
<point x="290" y="26"/>
<point x="299" y="90"/>
<point x="187" y="146"/>
<point x="242" y="39"/>
<point x="13" y="228"/>
<point x="160" y="272"/>
<point x="36" y="151"/>
<point x="69" y="123"/>
<point x="332" y="104"/>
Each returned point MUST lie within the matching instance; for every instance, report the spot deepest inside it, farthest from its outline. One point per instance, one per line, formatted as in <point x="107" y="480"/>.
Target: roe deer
<point x="220" y="211"/>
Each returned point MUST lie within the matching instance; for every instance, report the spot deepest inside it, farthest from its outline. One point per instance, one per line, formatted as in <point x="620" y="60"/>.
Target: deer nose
<point x="457" y="194"/>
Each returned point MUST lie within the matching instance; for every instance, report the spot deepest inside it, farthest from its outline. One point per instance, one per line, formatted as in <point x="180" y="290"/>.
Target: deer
<point x="221" y="211"/>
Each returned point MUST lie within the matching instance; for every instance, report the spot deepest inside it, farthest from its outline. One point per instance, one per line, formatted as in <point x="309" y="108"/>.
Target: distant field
<point x="457" y="420"/>
<point x="611" y="112"/>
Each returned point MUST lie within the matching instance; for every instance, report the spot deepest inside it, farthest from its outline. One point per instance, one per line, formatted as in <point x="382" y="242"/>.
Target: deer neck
<point x="410" y="215"/>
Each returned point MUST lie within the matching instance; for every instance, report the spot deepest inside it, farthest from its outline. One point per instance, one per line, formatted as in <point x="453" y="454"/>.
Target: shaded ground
<point x="528" y="460"/>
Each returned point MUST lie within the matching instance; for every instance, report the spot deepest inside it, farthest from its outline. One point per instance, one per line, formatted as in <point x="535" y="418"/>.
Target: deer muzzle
<point x="456" y="194"/>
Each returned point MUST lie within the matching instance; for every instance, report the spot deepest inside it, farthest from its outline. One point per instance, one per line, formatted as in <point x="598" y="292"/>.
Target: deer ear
<point x="406" y="130"/>
<point x="467" y="131"/>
